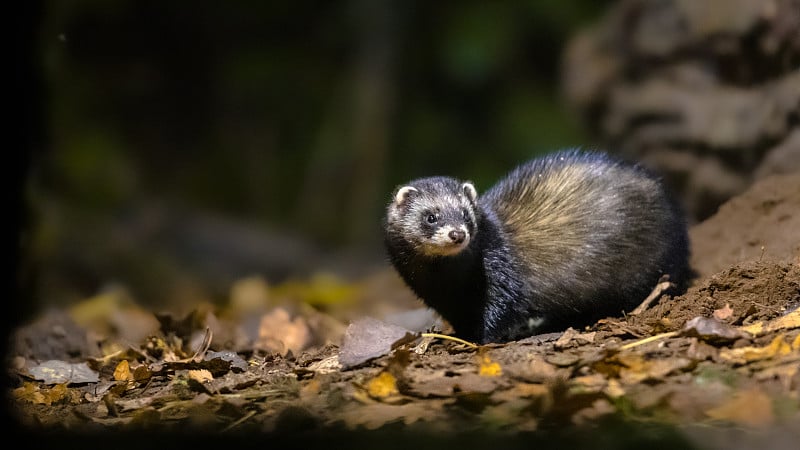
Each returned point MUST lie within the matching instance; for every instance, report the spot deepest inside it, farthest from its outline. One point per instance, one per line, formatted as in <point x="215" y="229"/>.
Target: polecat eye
<point x="431" y="218"/>
<point x="465" y="213"/>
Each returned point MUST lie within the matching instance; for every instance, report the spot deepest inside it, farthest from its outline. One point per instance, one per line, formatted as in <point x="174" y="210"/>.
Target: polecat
<point x="561" y="241"/>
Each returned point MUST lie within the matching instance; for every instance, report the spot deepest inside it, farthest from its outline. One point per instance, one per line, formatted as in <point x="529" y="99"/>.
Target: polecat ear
<point x="469" y="191"/>
<point x="403" y="193"/>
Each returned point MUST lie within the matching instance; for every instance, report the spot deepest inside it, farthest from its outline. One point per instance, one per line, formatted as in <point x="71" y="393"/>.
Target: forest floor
<point x="717" y="367"/>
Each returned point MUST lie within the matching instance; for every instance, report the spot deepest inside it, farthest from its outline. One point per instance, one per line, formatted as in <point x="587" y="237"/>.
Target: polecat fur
<point x="562" y="240"/>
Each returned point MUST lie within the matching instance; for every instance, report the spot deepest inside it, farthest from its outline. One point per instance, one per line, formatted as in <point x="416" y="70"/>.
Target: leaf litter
<point x="723" y="356"/>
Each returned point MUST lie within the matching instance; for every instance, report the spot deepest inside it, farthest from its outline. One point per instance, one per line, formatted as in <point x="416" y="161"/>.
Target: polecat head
<point x="436" y="215"/>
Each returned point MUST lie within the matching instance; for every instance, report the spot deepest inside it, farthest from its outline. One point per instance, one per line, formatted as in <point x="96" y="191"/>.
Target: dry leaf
<point x="202" y="376"/>
<point x="521" y="390"/>
<point x="376" y="415"/>
<point x="723" y="313"/>
<point x="123" y="372"/>
<point x="58" y="372"/>
<point x="279" y="333"/>
<point x="744" y="355"/>
<point x="489" y="368"/>
<point x="637" y="369"/>
<point x="614" y="389"/>
<point x="712" y="330"/>
<point x="751" y="408"/>
<point x="382" y="386"/>
<point x="142" y="373"/>
<point x="39" y="395"/>
<point x="368" y="338"/>
<point x="788" y="322"/>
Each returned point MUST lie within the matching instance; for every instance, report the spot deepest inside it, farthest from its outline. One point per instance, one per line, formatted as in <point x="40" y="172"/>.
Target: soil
<point x="730" y="379"/>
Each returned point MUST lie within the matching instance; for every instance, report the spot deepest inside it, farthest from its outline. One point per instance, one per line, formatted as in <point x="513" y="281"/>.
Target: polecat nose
<point x="457" y="236"/>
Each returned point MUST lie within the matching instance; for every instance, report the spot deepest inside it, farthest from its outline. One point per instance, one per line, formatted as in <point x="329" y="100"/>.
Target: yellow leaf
<point x="123" y="371"/>
<point x="35" y="394"/>
<point x="796" y="343"/>
<point x="614" y="389"/>
<point x="489" y="368"/>
<point x="788" y="322"/>
<point x="382" y="386"/>
<point x="743" y="355"/>
<point x="30" y="392"/>
<point x="754" y="329"/>
<point x="200" y="375"/>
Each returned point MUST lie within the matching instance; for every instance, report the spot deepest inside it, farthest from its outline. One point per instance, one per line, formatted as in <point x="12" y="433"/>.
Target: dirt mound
<point x="753" y="291"/>
<point x="761" y="224"/>
<point x="747" y="258"/>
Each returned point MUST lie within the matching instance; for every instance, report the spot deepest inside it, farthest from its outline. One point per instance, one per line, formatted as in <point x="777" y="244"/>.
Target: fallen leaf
<point x="379" y="414"/>
<point x="279" y="333"/>
<point x="600" y="407"/>
<point x="637" y="368"/>
<point x="382" y="386"/>
<point x="237" y="363"/>
<point x="142" y="373"/>
<point x="39" y="395"/>
<point x="595" y="382"/>
<point x="536" y="370"/>
<point x="751" y="408"/>
<point x="201" y="375"/>
<point x="521" y="390"/>
<point x="614" y="389"/>
<point x="787" y="322"/>
<point x="123" y="372"/>
<point x="711" y="330"/>
<point x="744" y="355"/>
<point x="368" y="338"/>
<point x="58" y="372"/>
<point x="566" y="338"/>
<point x="723" y="313"/>
<point x="489" y="368"/>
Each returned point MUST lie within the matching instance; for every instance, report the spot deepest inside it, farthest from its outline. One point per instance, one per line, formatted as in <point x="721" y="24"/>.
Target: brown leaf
<point x="379" y="414"/>
<point x="712" y="330"/>
<point x="279" y="333"/>
<point x="723" y="313"/>
<point x="43" y="395"/>
<point x="368" y="338"/>
<point x="636" y="368"/>
<point x="751" y="408"/>
<point x="201" y="375"/>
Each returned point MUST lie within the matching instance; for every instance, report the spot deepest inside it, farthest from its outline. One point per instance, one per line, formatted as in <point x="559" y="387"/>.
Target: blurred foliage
<point x="290" y="119"/>
<point x="254" y="108"/>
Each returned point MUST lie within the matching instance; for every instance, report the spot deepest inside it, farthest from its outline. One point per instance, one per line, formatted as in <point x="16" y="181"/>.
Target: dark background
<point x="177" y="146"/>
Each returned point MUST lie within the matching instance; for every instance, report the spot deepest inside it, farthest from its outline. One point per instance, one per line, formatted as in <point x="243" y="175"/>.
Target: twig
<point x="657" y="291"/>
<point x="449" y="338"/>
<point x="238" y="422"/>
<point x="647" y="340"/>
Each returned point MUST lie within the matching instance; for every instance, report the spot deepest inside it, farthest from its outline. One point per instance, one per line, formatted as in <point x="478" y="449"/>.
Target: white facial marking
<point x="402" y="194"/>
<point x="442" y="244"/>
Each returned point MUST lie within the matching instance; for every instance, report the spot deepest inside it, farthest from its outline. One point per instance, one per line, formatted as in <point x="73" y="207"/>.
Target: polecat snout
<point x="561" y="241"/>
